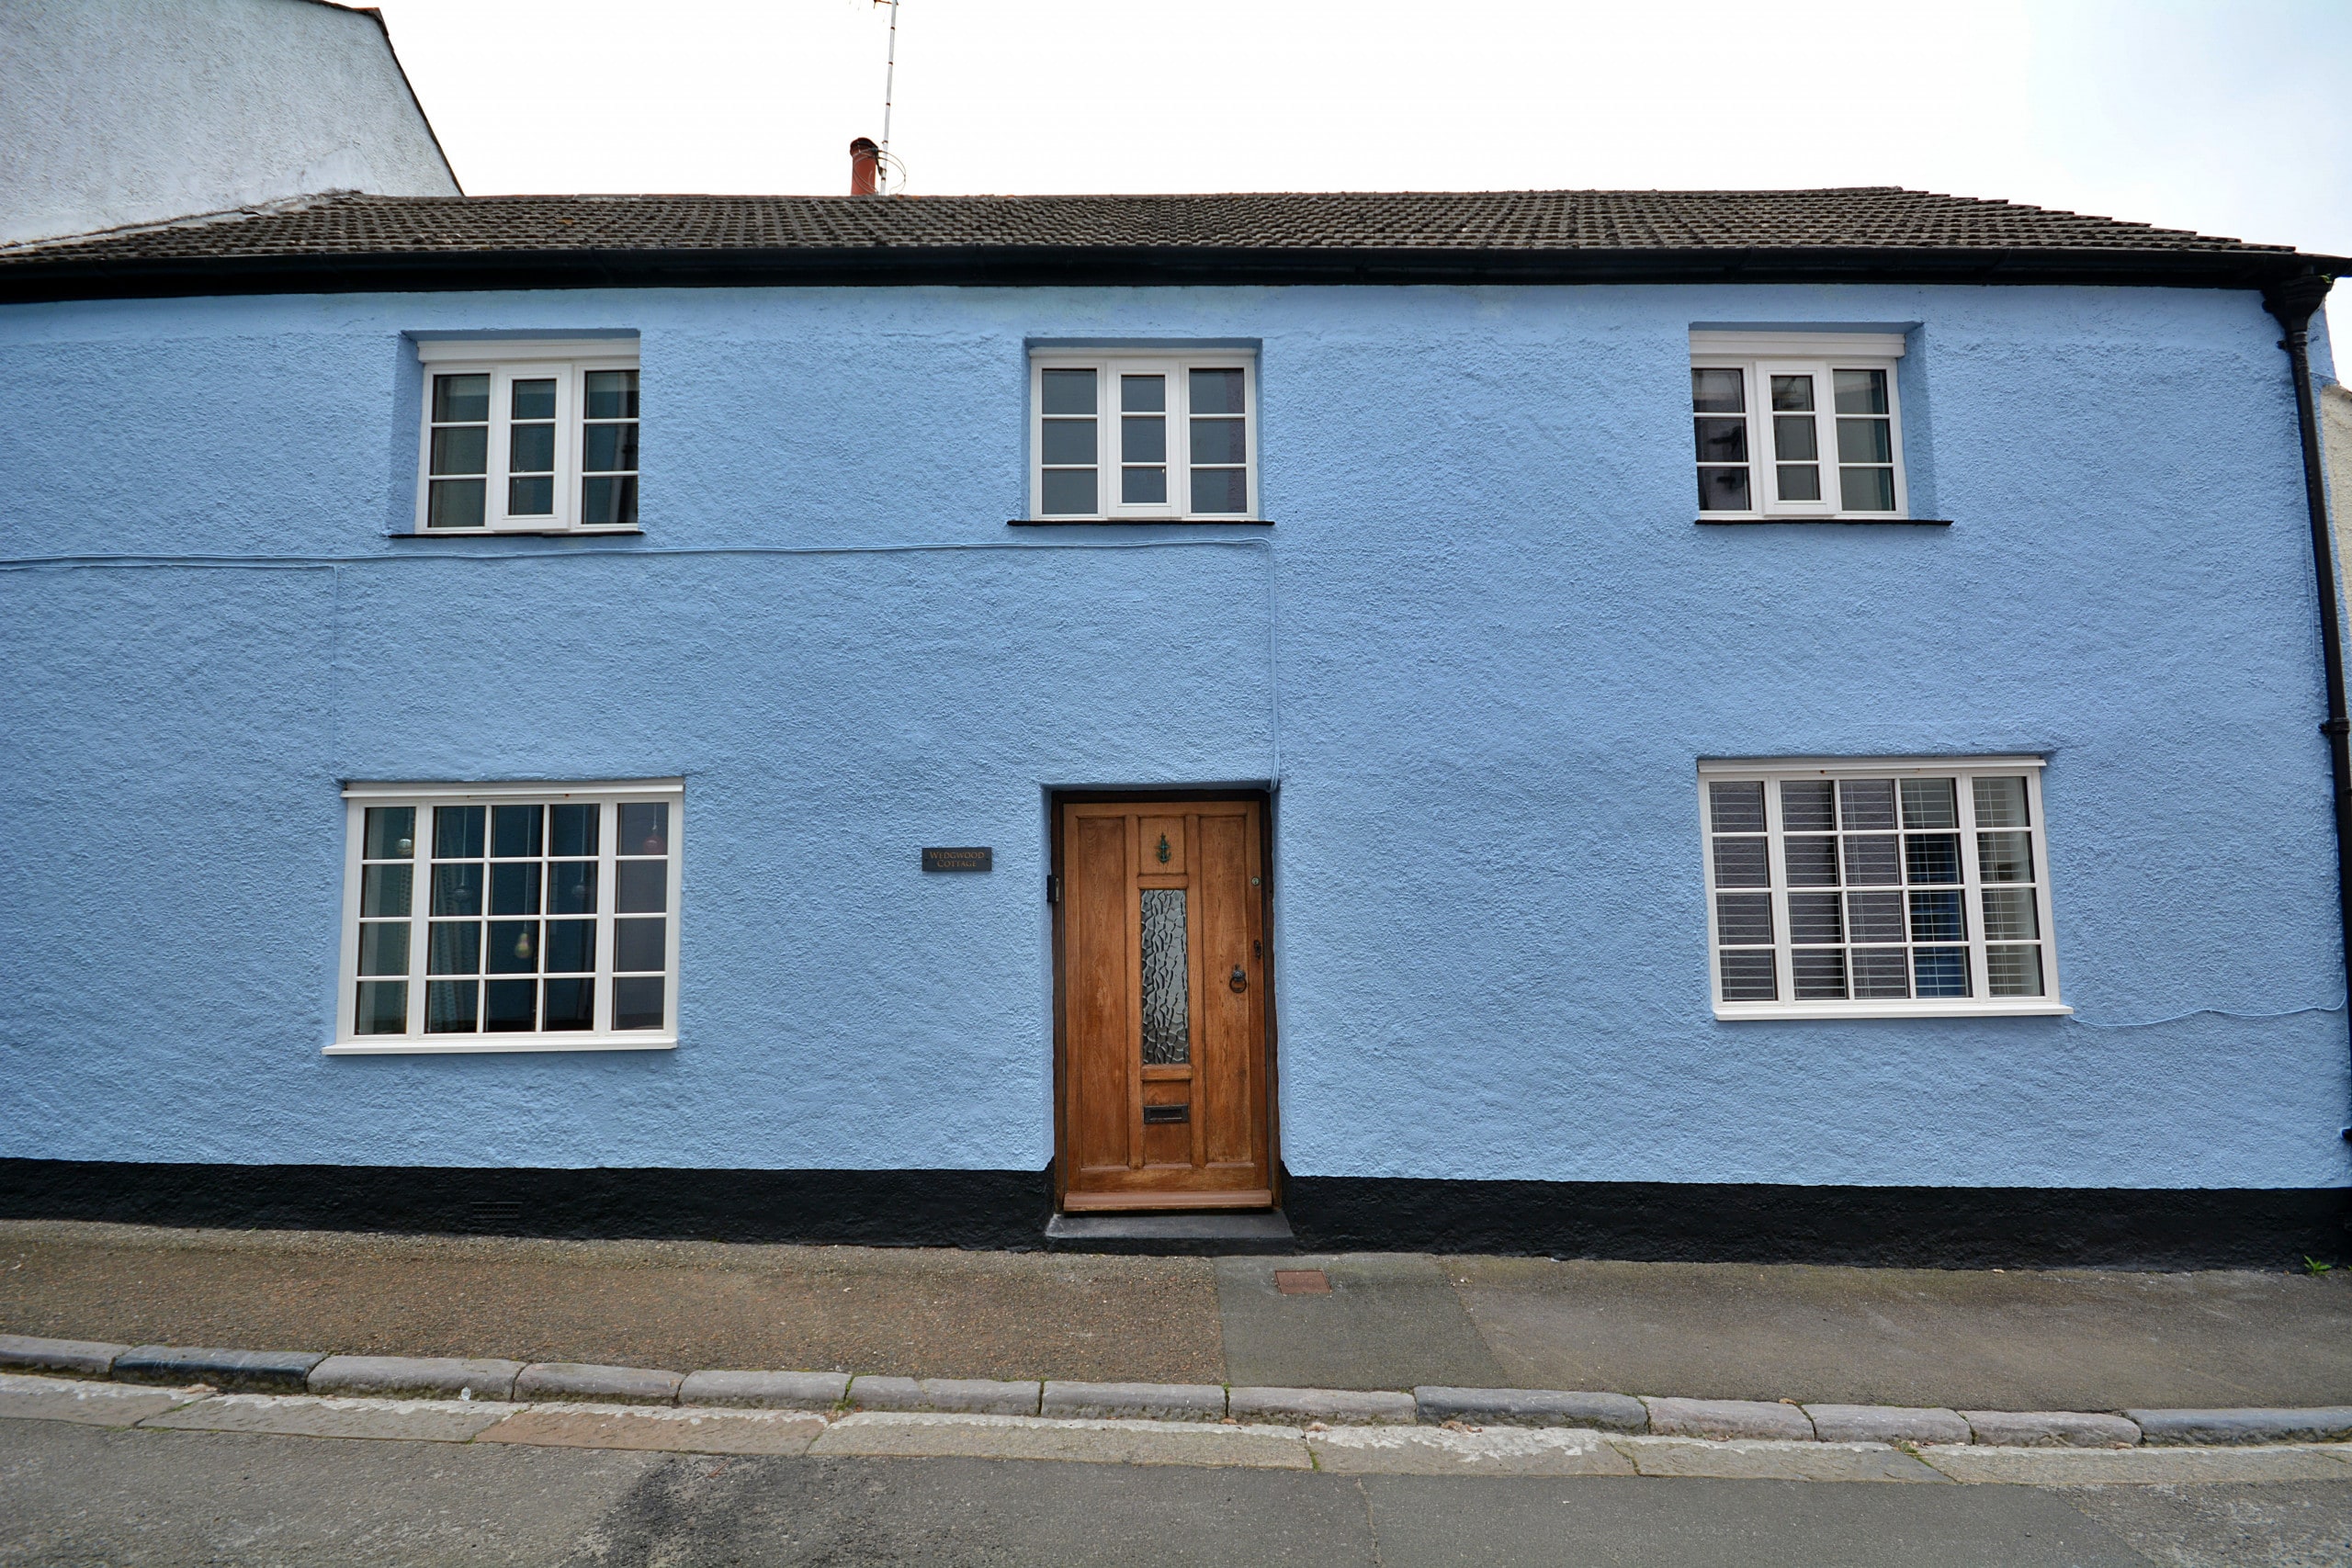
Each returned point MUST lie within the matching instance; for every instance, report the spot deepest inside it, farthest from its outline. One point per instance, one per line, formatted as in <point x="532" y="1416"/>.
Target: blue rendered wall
<point x="1484" y="639"/>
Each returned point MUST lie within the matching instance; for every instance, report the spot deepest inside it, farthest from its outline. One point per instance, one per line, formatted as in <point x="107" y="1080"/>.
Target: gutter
<point x="2292" y="301"/>
<point x="75" y="273"/>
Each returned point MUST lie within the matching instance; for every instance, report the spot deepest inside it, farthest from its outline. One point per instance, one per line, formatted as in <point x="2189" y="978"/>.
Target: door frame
<point x="1055" y="801"/>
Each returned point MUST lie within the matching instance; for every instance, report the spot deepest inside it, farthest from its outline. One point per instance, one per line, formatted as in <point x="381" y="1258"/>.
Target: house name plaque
<point x="981" y="858"/>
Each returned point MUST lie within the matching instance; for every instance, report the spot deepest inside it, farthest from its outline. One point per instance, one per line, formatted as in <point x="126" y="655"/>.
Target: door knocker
<point x="1240" y="981"/>
<point x="1163" y="849"/>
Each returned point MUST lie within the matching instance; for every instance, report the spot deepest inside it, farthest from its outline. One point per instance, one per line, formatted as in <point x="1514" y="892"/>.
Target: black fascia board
<point x="87" y="277"/>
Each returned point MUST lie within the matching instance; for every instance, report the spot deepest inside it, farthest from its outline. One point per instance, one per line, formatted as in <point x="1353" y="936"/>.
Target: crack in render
<point x="1371" y="1529"/>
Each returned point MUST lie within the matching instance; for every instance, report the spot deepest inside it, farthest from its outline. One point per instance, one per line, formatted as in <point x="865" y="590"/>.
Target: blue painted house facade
<point x="1784" y="724"/>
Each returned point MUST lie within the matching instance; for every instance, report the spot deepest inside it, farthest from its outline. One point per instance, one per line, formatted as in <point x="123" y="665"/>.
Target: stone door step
<point x="1267" y="1228"/>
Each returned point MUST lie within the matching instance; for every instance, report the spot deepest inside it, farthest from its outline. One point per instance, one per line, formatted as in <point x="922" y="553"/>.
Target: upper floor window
<point x="530" y="437"/>
<point x="510" y="917"/>
<point x="1143" y="436"/>
<point x="1797" y="425"/>
<point x="1877" y="889"/>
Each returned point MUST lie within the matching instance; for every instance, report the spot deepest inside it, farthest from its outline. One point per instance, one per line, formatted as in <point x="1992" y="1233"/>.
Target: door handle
<point x="1238" y="981"/>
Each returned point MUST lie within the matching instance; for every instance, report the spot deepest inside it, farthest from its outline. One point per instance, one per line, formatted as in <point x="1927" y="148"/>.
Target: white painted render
<point x="117" y="112"/>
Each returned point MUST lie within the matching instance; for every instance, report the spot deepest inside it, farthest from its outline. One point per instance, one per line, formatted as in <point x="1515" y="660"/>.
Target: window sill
<point x="1834" y="521"/>
<point x="2023" y="1007"/>
<point x="1136" y="522"/>
<point x="515" y="533"/>
<point x="478" y="1044"/>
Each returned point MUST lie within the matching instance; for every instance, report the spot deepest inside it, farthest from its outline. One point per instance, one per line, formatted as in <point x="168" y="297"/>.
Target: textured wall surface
<point x="1483" y="641"/>
<point x="119" y="111"/>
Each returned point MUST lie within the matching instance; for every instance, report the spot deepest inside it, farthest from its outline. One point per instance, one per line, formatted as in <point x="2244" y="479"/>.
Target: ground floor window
<point x="506" y="918"/>
<point x="1885" y="888"/>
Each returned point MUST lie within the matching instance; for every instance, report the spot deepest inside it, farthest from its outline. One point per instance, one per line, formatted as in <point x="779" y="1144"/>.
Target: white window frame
<point x="1760" y="356"/>
<point x="608" y="797"/>
<point x="1771" y="771"/>
<point x="1108" y="367"/>
<point x="569" y="362"/>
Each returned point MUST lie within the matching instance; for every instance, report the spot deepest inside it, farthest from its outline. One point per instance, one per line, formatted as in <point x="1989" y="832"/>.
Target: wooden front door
<point x="1163" y="1006"/>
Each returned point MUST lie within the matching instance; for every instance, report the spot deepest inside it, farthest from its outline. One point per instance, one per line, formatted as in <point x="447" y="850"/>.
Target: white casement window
<point x="528" y="437"/>
<point x="1138" y="437"/>
<point x="1793" y="425"/>
<point x="510" y="917"/>
<point x="1877" y="889"/>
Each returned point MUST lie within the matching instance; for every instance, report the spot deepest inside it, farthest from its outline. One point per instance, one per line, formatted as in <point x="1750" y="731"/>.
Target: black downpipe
<point x="2292" y="302"/>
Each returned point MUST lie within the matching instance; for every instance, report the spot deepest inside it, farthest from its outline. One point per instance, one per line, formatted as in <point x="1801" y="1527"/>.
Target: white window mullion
<point x="608" y="828"/>
<point x="1776" y="860"/>
<point x="1971" y="881"/>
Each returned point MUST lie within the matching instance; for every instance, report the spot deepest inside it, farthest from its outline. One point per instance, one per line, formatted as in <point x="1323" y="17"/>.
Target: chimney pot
<point x="864" y="167"/>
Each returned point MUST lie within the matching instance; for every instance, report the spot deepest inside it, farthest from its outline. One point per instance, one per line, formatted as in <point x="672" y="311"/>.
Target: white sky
<point x="2234" y="118"/>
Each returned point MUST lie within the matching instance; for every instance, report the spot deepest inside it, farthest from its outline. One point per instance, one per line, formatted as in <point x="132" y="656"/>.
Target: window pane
<point x="530" y="498"/>
<point x="390" y="833"/>
<point x="1819" y="974"/>
<point x="458" y="832"/>
<point x="1940" y="971"/>
<point x="457" y="890"/>
<point x="1866" y="803"/>
<point x="385" y="889"/>
<point x="1741" y="863"/>
<point x="463" y="449"/>
<point x="511" y="1007"/>
<point x="383" y="947"/>
<point x="1143" y="394"/>
<point x="609" y="503"/>
<point x="1799" y="483"/>
<point x="514" y="831"/>
<point x="451" y="1007"/>
<point x="1217" y="490"/>
<point x="570" y="1004"/>
<point x="1166" y="985"/>
<point x="1067" y="392"/>
<point x="1864" y="441"/>
<point x="1217" y="391"/>
<point x="571" y="886"/>
<point x="1934" y="917"/>
<point x="1881" y="973"/>
<point x="1813" y="862"/>
<point x="1873" y="859"/>
<point x="2013" y="971"/>
<point x="605" y="447"/>
<point x="460" y="399"/>
<point x="1718" y="391"/>
<point x="514" y="947"/>
<point x="571" y="830"/>
<point x="1812" y="917"/>
<point x="530" y="449"/>
<point x="2000" y="803"/>
<point x="1221" y="441"/>
<point x="637" y="945"/>
<point x="455" y="948"/>
<point x="644" y="887"/>
<point x="2005" y="857"/>
<point x="1795" y="438"/>
<point x="1748" y="976"/>
<point x="1143" y="487"/>
<point x="1793" y="394"/>
<point x="533" y="399"/>
<point x="1875" y="916"/>
<point x="383" y="1008"/>
<point x="637" y="1002"/>
<point x="1866" y="490"/>
<point x="514" y="889"/>
<point x="2009" y="915"/>
<point x="1070" y="492"/>
<point x="645" y="830"/>
<point x="1722" y="440"/>
<point x="1723" y="489"/>
<point x="1142" y="439"/>
<point x="1860" y="392"/>
<point x="1070" y="441"/>
<point x="1736" y="806"/>
<point x="1743" y="918"/>
<point x="1929" y="803"/>
<point x="1930" y="857"/>
<point x="612" y="394"/>
<point x="571" y="947"/>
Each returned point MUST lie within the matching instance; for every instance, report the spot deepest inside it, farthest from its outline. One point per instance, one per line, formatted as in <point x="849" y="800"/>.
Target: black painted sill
<point x="517" y="533"/>
<point x="1139" y="521"/>
<point x="1825" y="521"/>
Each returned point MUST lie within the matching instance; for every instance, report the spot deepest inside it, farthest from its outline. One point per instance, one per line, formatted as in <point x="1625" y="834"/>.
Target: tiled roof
<point x="1872" y="231"/>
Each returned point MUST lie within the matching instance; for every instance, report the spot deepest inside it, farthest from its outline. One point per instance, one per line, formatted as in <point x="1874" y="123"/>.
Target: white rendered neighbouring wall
<point x="125" y="111"/>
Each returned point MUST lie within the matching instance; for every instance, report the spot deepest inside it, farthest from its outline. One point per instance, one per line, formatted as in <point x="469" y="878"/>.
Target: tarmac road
<point x="83" y="1495"/>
